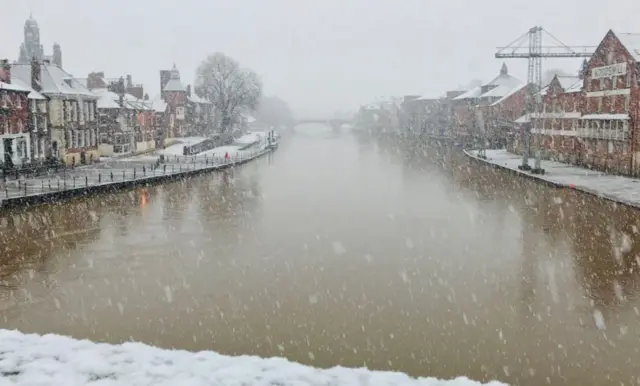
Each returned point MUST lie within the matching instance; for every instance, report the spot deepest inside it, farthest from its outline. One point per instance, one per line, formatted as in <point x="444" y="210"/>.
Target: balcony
<point x="619" y="134"/>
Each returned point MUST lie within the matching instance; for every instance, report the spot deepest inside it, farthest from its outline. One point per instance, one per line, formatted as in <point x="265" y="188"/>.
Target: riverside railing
<point x="103" y="175"/>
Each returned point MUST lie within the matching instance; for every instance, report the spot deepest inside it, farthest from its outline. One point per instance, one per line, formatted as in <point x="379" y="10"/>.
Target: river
<point x="342" y="250"/>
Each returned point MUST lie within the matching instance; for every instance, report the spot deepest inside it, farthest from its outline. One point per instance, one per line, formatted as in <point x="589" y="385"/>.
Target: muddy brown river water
<point x="342" y="250"/>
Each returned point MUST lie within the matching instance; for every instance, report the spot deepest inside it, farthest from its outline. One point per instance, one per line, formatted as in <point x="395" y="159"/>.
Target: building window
<point x="626" y="103"/>
<point x="628" y="79"/>
<point x="614" y="82"/>
<point x="601" y="84"/>
<point x="610" y="147"/>
<point x="18" y="101"/>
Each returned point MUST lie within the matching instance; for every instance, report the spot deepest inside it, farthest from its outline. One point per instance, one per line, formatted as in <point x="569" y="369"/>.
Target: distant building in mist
<point x="31" y="48"/>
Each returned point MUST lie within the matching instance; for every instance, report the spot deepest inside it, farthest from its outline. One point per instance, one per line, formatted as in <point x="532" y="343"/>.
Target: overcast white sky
<point x="319" y="55"/>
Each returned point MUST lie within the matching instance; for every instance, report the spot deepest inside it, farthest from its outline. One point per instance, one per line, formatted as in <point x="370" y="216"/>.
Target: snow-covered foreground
<point x="29" y="359"/>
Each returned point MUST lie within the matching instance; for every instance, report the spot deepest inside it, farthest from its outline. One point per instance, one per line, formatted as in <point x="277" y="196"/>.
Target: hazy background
<point x="319" y="55"/>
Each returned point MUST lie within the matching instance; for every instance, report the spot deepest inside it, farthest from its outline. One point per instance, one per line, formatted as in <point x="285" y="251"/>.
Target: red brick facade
<point x="596" y="123"/>
<point x="609" y="139"/>
<point x="14" y="105"/>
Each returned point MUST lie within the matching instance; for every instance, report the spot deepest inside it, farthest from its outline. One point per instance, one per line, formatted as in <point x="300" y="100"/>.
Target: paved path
<point x="117" y="171"/>
<point x="625" y="190"/>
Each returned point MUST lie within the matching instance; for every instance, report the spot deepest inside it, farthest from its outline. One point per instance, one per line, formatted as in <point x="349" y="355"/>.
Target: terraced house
<point x="14" y="132"/>
<point x="72" y="111"/>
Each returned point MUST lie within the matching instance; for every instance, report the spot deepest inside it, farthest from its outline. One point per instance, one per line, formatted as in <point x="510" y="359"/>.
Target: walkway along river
<point x="342" y="250"/>
<point x="115" y="175"/>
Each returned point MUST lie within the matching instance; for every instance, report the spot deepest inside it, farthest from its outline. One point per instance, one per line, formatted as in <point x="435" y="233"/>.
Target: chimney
<point x="5" y="71"/>
<point x="137" y="91"/>
<point x="36" y="74"/>
<point x="57" y="55"/>
<point x="189" y="90"/>
<point x="95" y="80"/>
<point x="129" y="82"/>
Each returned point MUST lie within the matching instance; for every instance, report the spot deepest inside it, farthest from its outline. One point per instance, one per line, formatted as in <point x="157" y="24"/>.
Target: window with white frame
<point x="626" y="103"/>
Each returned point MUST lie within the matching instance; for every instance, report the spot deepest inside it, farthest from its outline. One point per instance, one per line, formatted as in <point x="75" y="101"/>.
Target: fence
<point x="88" y="178"/>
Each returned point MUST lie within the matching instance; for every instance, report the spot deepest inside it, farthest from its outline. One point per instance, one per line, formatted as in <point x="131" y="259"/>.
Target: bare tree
<point x="230" y="88"/>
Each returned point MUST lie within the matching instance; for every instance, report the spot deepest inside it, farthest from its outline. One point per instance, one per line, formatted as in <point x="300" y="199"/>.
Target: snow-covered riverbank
<point x="29" y="359"/>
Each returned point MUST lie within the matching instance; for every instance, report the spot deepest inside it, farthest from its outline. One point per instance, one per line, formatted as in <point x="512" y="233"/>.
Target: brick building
<point x="14" y="130"/>
<point x="38" y="123"/>
<point x="468" y="109"/>
<point x="497" y="118"/>
<point x="558" y="121"/>
<point x="593" y="120"/>
<point x="71" y="111"/>
<point x="175" y="95"/>
<point x="609" y="133"/>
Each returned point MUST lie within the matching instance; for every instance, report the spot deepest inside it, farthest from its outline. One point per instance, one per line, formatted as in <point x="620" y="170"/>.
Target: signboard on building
<point x="180" y="113"/>
<point x="609" y="71"/>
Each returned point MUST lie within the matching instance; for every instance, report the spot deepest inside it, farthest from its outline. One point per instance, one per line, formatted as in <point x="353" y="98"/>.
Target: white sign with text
<point x="609" y="71"/>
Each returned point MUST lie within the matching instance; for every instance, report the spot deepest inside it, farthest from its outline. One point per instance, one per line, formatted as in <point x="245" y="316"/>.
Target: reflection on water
<point x="342" y="249"/>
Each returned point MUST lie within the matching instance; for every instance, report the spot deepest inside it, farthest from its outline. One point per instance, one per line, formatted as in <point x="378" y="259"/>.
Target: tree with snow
<point x="230" y="88"/>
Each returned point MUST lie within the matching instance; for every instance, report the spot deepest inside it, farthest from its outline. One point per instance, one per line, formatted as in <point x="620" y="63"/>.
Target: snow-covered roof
<point x="508" y="94"/>
<point x="159" y="105"/>
<point x="630" y="41"/>
<point x="33" y="94"/>
<point x="53" y="80"/>
<point x="174" y="83"/>
<point x="196" y="99"/>
<point x="426" y="98"/>
<point x="12" y="87"/>
<point x="111" y="100"/>
<point x="107" y="99"/>
<point x="473" y="93"/>
<point x="570" y="84"/>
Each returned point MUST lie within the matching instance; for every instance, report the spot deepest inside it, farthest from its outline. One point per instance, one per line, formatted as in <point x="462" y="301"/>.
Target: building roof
<point x="174" y="83"/>
<point x="570" y="83"/>
<point x="473" y="93"/>
<point x="509" y="93"/>
<point x="107" y="99"/>
<point x="159" y="105"/>
<point x="33" y="94"/>
<point x="111" y="100"/>
<point x="53" y="80"/>
<point x="13" y="87"/>
<point x="630" y="41"/>
<point x="196" y="99"/>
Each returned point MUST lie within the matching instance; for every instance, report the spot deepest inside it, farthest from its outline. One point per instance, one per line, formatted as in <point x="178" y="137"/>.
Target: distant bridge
<point x="334" y="123"/>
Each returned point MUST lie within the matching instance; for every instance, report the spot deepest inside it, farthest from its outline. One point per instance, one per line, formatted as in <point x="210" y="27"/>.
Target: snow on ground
<point x="248" y="139"/>
<point x="616" y="188"/>
<point x="220" y="151"/>
<point x="30" y="359"/>
<point x="178" y="148"/>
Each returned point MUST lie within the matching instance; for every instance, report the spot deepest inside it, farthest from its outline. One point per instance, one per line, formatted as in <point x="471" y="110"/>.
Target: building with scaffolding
<point x="592" y="119"/>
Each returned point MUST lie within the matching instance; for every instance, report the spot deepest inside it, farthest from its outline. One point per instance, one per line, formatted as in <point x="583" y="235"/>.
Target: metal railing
<point x="602" y="133"/>
<point x="117" y="172"/>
